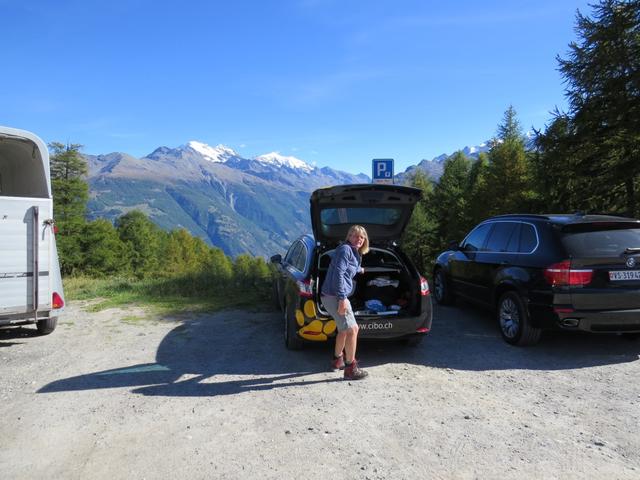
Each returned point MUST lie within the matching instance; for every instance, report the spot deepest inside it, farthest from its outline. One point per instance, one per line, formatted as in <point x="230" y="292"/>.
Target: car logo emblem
<point x="631" y="262"/>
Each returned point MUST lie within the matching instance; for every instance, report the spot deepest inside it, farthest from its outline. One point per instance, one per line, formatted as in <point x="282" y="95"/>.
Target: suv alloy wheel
<point x="514" y="321"/>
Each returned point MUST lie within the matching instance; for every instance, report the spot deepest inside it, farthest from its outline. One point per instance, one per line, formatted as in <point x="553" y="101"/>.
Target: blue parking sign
<point x="382" y="170"/>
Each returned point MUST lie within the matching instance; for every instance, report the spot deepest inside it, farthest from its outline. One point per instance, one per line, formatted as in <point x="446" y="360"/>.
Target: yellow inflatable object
<point x="310" y="309"/>
<point x="329" y="327"/>
<point x="313" y="331"/>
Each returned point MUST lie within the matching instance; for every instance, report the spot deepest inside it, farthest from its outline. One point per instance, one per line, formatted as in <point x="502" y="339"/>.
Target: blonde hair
<point x="359" y="229"/>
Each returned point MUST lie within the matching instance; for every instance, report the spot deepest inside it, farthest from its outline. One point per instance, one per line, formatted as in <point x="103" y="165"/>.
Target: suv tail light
<point x="305" y="288"/>
<point x="56" y="300"/>
<point x="561" y="274"/>
<point x="424" y="286"/>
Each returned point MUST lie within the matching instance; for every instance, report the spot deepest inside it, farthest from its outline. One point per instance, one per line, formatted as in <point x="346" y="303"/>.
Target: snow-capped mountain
<point x="240" y="205"/>
<point x="274" y="158"/>
<point x="219" y="153"/>
<point x="255" y="205"/>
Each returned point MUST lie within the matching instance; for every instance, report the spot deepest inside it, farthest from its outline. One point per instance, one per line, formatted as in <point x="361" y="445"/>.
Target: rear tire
<point x="291" y="339"/>
<point x="514" y="322"/>
<point x="45" y="327"/>
<point x="441" y="289"/>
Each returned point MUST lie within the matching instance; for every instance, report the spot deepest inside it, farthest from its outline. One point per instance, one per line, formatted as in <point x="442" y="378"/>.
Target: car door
<point x="494" y="261"/>
<point x="287" y="270"/>
<point x="462" y="264"/>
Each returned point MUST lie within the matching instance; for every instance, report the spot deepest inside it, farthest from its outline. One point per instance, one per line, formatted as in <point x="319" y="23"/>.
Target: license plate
<point x="624" y="275"/>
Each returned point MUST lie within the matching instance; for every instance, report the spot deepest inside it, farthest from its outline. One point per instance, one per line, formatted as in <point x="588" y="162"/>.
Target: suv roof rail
<point x="519" y="215"/>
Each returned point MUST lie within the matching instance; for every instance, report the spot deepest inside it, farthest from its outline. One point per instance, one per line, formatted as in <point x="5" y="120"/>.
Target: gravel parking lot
<point x="126" y="394"/>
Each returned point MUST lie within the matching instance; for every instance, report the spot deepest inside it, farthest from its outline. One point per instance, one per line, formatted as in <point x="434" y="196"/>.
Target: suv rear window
<point x="378" y="216"/>
<point x="596" y="242"/>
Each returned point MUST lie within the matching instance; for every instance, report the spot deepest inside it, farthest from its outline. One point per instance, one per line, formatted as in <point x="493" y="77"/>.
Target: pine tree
<point x="142" y="238"/>
<point x="420" y="238"/>
<point x="103" y="251"/>
<point x="70" y="196"/>
<point x="508" y="175"/>
<point x="602" y="74"/>
<point x="478" y="195"/>
<point x="450" y="201"/>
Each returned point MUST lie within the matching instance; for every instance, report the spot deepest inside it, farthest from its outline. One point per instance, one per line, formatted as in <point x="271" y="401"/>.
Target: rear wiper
<point x="632" y="250"/>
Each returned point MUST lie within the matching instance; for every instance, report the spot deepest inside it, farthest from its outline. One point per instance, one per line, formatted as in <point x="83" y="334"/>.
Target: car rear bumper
<point x="318" y="326"/>
<point x="393" y="327"/>
<point x="610" y="321"/>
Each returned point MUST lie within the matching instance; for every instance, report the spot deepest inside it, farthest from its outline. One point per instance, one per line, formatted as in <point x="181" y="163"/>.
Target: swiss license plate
<point x="624" y="275"/>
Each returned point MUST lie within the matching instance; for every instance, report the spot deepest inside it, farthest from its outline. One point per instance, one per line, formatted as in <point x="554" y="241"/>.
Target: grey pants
<point x="343" y="322"/>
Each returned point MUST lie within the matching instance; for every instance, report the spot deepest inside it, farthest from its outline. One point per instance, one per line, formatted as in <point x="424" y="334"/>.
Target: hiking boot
<point x="353" y="372"/>
<point x="337" y="363"/>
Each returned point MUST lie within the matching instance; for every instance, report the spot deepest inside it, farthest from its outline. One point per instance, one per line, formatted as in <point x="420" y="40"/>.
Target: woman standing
<point x="337" y="286"/>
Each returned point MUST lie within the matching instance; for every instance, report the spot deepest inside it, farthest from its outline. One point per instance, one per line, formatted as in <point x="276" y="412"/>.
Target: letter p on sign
<point x="382" y="170"/>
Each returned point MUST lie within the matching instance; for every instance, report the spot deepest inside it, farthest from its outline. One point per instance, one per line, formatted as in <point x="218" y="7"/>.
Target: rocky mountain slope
<point x="241" y="205"/>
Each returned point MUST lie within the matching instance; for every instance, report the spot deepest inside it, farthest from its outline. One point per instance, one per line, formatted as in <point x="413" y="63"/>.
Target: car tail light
<point x="561" y="274"/>
<point x="305" y="288"/>
<point x="56" y="300"/>
<point x="424" y="286"/>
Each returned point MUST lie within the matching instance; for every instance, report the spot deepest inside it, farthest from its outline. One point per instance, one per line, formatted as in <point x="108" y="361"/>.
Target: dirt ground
<point x="123" y="394"/>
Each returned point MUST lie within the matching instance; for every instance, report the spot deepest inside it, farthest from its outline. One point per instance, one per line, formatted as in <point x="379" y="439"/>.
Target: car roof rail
<point x="519" y="215"/>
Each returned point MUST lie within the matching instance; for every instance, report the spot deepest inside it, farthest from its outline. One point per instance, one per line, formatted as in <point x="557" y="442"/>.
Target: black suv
<point x="404" y="303"/>
<point x="573" y="272"/>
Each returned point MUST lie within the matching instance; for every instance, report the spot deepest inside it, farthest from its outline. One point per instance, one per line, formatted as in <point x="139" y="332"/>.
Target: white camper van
<point x="30" y="280"/>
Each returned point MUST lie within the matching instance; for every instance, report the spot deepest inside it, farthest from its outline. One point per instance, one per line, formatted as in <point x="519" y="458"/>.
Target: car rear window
<point x="594" y="242"/>
<point x="376" y="216"/>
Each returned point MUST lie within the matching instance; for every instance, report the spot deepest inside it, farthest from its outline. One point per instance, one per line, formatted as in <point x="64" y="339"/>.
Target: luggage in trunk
<point x="384" y="289"/>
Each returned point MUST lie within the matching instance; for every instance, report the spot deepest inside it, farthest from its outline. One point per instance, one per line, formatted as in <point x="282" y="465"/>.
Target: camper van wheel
<point x="45" y="327"/>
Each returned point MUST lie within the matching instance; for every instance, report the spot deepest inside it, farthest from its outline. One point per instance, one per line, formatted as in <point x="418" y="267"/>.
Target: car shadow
<point x="13" y="333"/>
<point x="232" y="352"/>
<point x="214" y="354"/>
<point x="466" y="338"/>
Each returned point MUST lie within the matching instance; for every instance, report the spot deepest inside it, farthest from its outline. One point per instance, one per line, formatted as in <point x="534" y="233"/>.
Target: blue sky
<point x="332" y="82"/>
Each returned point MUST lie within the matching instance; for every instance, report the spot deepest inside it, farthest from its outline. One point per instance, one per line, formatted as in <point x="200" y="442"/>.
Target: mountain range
<point x="240" y="205"/>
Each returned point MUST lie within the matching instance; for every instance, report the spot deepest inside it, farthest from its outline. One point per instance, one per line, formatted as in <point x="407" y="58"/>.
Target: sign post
<point x="382" y="170"/>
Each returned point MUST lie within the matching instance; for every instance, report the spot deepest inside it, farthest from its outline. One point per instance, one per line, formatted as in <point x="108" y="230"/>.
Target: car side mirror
<point x="277" y="258"/>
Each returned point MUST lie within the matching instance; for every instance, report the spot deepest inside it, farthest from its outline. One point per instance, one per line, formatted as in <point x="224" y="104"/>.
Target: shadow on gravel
<point x="218" y="354"/>
<point x="13" y="333"/>
<point x="233" y="352"/>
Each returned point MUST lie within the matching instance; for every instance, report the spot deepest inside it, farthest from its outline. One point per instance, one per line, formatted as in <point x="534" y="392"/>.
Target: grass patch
<point x="164" y="295"/>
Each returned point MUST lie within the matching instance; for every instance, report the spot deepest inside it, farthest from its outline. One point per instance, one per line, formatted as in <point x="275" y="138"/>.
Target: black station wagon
<point x="398" y="291"/>
<point x="571" y="272"/>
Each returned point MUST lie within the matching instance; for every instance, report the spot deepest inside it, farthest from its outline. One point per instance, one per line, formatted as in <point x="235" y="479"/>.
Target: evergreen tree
<point x="70" y="196"/>
<point x="142" y="238"/>
<point x="602" y="73"/>
<point x="450" y="199"/>
<point x="510" y="128"/>
<point x="420" y="237"/>
<point x="478" y="195"/>
<point x="555" y="165"/>
<point x="508" y="175"/>
<point x="103" y="251"/>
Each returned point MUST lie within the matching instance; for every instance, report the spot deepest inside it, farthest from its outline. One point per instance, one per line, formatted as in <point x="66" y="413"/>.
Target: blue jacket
<point x="343" y="267"/>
